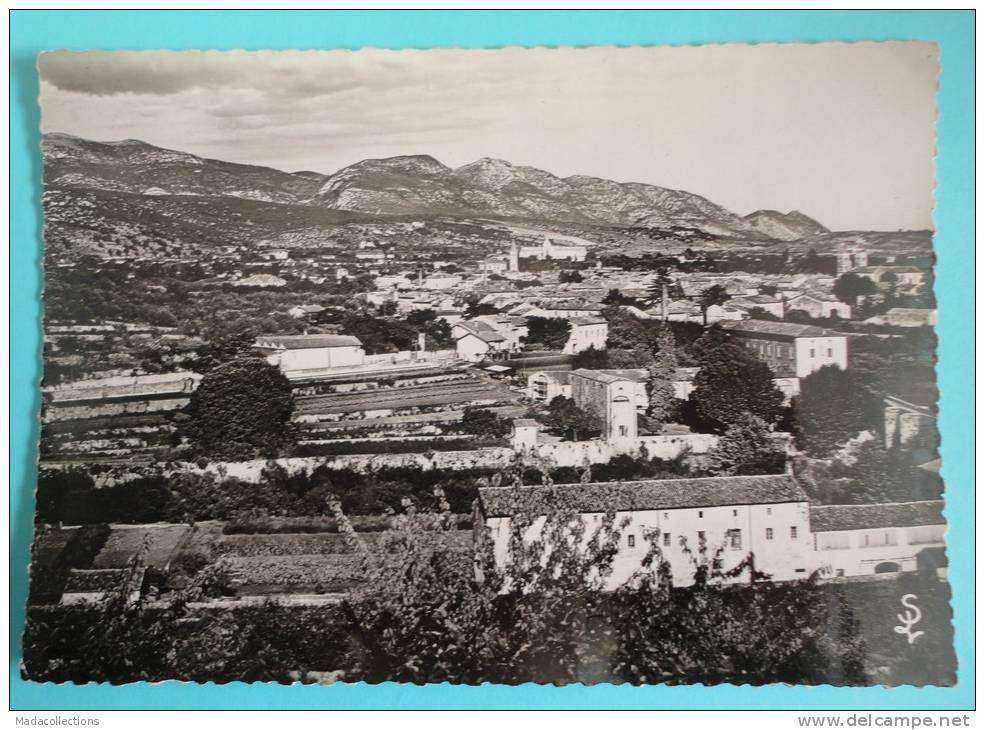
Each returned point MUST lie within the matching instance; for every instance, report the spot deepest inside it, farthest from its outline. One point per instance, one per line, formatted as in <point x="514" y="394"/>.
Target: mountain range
<point x="407" y="185"/>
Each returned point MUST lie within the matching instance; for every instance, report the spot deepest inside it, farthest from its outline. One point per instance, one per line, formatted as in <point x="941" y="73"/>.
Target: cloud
<point x="841" y="131"/>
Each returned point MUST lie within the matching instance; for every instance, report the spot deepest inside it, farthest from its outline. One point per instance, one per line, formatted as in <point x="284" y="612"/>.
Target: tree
<point x="241" y="409"/>
<point x="829" y="411"/>
<point x="432" y="611"/>
<point x="660" y="383"/>
<point x="659" y="290"/>
<point x="475" y="308"/>
<point x="570" y="277"/>
<point x="616" y="297"/>
<point x="850" y="286"/>
<point x="718" y="630"/>
<point x="482" y="422"/>
<point x="549" y="333"/>
<point x="714" y="295"/>
<point x="564" y="416"/>
<point x="746" y="448"/>
<point x="732" y="382"/>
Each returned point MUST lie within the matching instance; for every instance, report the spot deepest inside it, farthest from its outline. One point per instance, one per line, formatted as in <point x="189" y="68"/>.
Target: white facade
<point x="813" y="353"/>
<point x="853" y="540"/>
<point x="311" y="352"/>
<point x="819" y="306"/>
<point x="773" y="526"/>
<point x="586" y="333"/>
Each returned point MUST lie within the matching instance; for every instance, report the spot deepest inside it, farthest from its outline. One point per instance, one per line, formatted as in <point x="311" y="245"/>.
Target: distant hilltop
<point x="409" y="185"/>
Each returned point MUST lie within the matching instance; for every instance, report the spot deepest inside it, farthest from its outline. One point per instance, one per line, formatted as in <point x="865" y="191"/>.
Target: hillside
<point x="422" y="185"/>
<point x="102" y="197"/>
<point x="785" y="226"/>
<point x="132" y="166"/>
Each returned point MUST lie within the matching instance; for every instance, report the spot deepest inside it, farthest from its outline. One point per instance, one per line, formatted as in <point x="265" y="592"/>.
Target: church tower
<point x="514" y="257"/>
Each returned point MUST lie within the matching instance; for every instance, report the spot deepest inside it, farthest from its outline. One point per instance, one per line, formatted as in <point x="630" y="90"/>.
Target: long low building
<point x="768" y="517"/>
<point x="866" y="539"/>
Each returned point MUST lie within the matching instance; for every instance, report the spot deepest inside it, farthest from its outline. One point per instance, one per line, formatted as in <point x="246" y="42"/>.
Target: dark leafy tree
<point x="570" y="277"/>
<point x="548" y="333"/>
<point x="849" y="287"/>
<point x="475" y="308"/>
<point x="746" y="448"/>
<point x="565" y="417"/>
<point x="732" y="382"/>
<point x="242" y="408"/>
<point x="660" y="383"/>
<point x="829" y="411"/>
<point x="482" y="422"/>
<point x="714" y="295"/>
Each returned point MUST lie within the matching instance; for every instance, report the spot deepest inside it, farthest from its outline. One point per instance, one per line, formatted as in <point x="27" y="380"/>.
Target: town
<point x="237" y="414"/>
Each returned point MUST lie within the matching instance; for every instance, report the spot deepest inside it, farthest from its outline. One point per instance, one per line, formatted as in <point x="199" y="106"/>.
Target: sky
<point x="843" y="132"/>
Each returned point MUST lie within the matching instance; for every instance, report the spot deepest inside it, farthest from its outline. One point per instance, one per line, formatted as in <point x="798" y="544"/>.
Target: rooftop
<point x="305" y="342"/>
<point x="828" y="518"/>
<point x="776" y="329"/>
<point x="650" y="494"/>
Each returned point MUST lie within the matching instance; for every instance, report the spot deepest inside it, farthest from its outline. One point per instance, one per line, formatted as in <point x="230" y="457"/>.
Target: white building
<point x="612" y="396"/>
<point x="866" y="539"/>
<point x="551" y="249"/>
<point x="819" y="304"/>
<point x="546" y="385"/>
<point x="766" y="516"/>
<point x="294" y="354"/>
<point x="586" y="332"/>
<point x="475" y="341"/>
<point x="791" y="350"/>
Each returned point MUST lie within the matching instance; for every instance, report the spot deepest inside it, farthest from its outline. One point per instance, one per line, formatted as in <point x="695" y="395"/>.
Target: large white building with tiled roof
<point x="298" y="353"/>
<point x="791" y="350"/>
<point x="733" y="517"/>
<point x="766" y="517"/>
<point x="868" y="539"/>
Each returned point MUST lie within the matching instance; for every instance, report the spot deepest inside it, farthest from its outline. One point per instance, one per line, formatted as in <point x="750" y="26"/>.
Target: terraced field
<point x="418" y="396"/>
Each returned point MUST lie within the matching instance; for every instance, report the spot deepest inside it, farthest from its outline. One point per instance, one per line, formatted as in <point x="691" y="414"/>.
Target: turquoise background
<point x="35" y="31"/>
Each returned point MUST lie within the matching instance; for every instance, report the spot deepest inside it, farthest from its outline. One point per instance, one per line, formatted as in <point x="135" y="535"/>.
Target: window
<point x="700" y="513"/>
<point x="926" y="535"/>
<point x="666" y="539"/>
<point x="812" y="352"/>
<point x="829" y="352"/>
<point x="800" y="570"/>
<point x="834" y="540"/>
<point x="769" y="510"/>
<point x="735" y="539"/>
<point x="622" y="430"/>
<point x="793" y="532"/>
<point x="878" y="538"/>
<point x="735" y="513"/>
<point x="701" y="536"/>
<point x="631" y="540"/>
<point x="666" y="515"/>
<point x="769" y="533"/>
<point x="840" y="573"/>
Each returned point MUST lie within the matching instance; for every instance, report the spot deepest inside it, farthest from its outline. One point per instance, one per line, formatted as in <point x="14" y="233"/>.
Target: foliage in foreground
<point x="436" y="607"/>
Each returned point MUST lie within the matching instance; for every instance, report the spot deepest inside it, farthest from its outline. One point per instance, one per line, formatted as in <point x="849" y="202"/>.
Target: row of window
<point x="926" y="535"/>
<point x="732" y="537"/>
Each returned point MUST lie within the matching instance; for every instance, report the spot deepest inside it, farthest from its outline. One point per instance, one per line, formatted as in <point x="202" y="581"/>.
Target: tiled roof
<point x="777" y="329"/>
<point x="558" y="376"/>
<point x="603" y="376"/>
<point x="480" y="329"/>
<point x="828" y="518"/>
<point x="306" y="342"/>
<point x="651" y="494"/>
<point x="585" y="321"/>
<point x="821" y="296"/>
